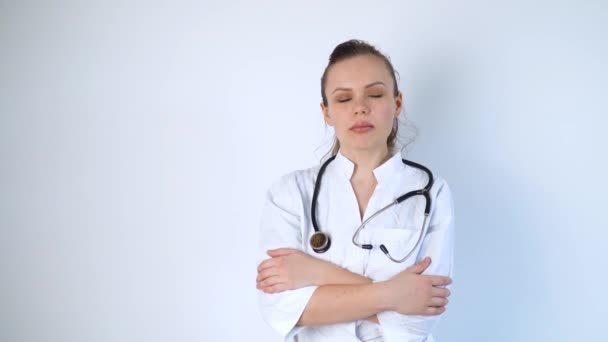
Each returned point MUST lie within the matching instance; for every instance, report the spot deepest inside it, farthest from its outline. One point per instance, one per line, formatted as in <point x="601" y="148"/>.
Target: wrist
<point x="323" y="273"/>
<point x="382" y="292"/>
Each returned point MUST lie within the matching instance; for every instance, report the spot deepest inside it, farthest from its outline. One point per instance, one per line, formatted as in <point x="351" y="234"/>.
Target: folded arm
<point x="291" y="269"/>
<point x="344" y="296"/>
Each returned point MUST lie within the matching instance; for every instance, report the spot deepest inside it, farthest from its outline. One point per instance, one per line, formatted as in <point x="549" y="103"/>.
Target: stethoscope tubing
<point x="315" y="193"/>
<point x="425" y="192"/>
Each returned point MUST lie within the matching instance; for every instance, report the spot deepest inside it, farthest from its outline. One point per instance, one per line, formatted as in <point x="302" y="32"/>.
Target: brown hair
<point x="353" y="48"/>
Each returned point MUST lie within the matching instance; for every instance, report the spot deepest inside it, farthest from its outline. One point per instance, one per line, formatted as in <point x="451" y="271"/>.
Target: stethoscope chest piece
<point x="320" y="242"/>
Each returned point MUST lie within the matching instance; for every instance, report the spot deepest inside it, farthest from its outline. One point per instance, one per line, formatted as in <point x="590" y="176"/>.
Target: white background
<point x="137" y="141"/>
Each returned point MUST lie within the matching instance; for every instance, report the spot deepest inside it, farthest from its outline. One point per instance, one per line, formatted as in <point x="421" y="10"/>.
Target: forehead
<point x="358" y="71"/>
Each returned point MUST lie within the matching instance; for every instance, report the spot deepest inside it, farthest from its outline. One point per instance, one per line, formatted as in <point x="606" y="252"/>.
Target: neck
<point x="366" y="160"/>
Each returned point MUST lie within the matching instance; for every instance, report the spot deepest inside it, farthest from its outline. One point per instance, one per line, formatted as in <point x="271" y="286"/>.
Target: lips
<point x="361" y="125"/>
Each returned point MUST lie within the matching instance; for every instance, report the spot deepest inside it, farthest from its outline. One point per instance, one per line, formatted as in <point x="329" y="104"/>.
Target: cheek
<point x="341" y="119"/>
<point x="386" y="112"/>
<point x="386" y="108"/>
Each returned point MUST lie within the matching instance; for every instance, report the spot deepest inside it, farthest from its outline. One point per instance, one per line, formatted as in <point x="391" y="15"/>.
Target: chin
<point x="364" y="145"/>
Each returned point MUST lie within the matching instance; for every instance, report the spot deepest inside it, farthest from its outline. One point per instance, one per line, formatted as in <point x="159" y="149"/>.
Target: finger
<point x="440" y="292"/>
<point x="272" y="271"/>
<point x="434" y="310"/>
<point x="420" y="266"/>
<point x="266" y="264"/>
<point x="438" y="301"/>
<point x="265" y="274"/>
<point x="270" y="281"/>
<point x="275" y="288"/>
<point x="440" y="280"/>
<point x="280" y="252"/>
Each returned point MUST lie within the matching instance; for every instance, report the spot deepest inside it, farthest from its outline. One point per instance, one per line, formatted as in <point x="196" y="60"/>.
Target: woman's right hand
<point x="289" y="269"/>
<point x="412" y="293"/>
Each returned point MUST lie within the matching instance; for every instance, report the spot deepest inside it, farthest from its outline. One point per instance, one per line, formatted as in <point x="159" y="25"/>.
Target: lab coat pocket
<point x="399" y="242"/>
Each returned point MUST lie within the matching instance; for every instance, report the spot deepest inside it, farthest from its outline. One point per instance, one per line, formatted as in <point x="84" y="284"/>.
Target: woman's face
<point x="360" y="102"/>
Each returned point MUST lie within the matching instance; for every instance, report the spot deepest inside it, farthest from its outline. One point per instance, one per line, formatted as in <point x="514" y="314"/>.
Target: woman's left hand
<point x="288" y="269"/>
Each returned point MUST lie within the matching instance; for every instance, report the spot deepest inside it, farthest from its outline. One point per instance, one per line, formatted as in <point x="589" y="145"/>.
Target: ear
<point x="398" y="104"/>
<point x="326" y="116"/>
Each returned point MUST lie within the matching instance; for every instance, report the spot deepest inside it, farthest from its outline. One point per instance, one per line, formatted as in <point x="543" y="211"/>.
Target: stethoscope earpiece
<point x="320" y="242"/>
<point x="384" y="249"/>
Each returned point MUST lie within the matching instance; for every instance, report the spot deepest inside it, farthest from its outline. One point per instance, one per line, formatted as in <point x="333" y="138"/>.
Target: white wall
<point x="137" y="141"/>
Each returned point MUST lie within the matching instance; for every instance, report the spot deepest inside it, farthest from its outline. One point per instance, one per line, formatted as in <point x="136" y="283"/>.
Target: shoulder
<point x="440" y="186"/>
<point x="294" y="183"/>
<point x="440" y="191"/>
<point x="421" y="177"/>
<point x="443" y="203"/>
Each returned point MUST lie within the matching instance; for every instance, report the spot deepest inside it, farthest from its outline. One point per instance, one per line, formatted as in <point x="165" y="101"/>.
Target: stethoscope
<point x="320" y="242"/>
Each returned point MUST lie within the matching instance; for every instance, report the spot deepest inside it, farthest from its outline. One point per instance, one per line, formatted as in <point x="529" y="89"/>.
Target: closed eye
<point x="343" y="100"/>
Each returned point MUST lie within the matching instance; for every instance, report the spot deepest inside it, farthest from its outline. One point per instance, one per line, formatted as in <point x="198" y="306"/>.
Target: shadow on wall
<point x="501" y="266"/>
<point x="501" y="271"/>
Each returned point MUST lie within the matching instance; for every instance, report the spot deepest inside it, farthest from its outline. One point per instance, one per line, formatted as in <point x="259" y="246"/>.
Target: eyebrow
<point x="367" y="86"/>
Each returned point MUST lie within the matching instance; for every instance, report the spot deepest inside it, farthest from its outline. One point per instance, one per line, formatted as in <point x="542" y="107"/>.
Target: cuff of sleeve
<point x="394" y="329"/>
<point x="284" y="309"/>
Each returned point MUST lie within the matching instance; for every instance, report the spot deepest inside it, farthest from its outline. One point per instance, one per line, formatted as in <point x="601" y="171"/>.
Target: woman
<point x="340" y="285"/>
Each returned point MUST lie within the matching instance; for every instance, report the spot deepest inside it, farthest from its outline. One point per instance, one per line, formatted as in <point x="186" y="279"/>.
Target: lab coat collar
<point x="343" y="165"/>
<point x="383" y="173"/>
<point x="392" y="167"/>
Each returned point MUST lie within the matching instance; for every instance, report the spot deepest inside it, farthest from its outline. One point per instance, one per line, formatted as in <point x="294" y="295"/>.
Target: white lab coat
<point x="286" y="222"/>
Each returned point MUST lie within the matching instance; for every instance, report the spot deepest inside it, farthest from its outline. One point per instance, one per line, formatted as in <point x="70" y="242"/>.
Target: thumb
<point x="279" y="252"/>
<point x="420" y="266"/>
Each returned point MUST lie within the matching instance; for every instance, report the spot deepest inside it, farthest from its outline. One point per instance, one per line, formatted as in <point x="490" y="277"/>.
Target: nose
<point x="360" y="107"/>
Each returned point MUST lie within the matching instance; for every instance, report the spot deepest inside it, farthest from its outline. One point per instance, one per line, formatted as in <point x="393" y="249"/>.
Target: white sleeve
<point x="280" y="228"/>
<point x="438" y="243"/>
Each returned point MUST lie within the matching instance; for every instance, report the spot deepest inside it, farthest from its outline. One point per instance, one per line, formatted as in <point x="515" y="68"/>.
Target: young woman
<point x="345" y="256"/>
